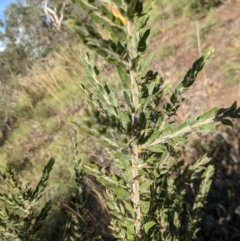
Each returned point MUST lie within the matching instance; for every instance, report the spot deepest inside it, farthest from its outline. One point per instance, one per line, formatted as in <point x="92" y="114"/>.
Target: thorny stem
<point x="134" y="147"/>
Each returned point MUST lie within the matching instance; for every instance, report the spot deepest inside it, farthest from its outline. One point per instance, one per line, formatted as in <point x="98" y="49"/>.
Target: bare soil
<point x="212" y="87"/>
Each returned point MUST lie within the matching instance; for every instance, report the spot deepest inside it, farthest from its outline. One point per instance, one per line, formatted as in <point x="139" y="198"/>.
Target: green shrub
<point x="151" y="192"/>
<point x="18" y="218"/>
<point x="148" y="192"/>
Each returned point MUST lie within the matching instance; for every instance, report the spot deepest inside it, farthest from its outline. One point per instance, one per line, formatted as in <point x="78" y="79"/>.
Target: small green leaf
<point x="122" y="193"/>
<point x="145" y="186"/>
<point x="227" y="122"/>
<point x="180" y="127"/>
<point x="107" y="182"/>
<point x="209" y="113"/>
<point x="151" y="160"/>
<point x="148" y="225"/>
<point x="144" y="205"/>
<point x="139" y="8"/>
<point x="145" y="62"/>
<point x="122" y="209"/>
<point x="111" y="207"/>
<point x="110" y="109"/>
<point x="113" y="99"/>
<point x="124" y="118"/>
<point x="44" y="212"/>
<point x="127" y="95"/>
<point x="208" y="127"/>
<point x="43" y="181"/>
<point x="104" y="143"/>
<point x="142" y="45"/>
<point x="130" y="232"/>
<point x="98" y="18"/>
<point x="131" y="10"/>
<point x="167" y="129"/>
<point x="124" y="77"/>
<point x="157" y="148"/>
<point x="129" y="208"/>
<point x="230" y="110"/>
<point x="153" y="137"/>
<point x="151" y="88"/>
<point x="117" y="2"/>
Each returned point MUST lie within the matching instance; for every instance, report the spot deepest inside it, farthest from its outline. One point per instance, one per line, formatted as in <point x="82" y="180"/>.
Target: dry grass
<point x="40" y="105"/>
<point x="50" y="76"/>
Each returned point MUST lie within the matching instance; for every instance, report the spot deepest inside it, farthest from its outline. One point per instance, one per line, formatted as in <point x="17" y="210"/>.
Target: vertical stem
<point x="134" y="147"/>
<point x="136" y="192"/>
<point x="132" y="55"/>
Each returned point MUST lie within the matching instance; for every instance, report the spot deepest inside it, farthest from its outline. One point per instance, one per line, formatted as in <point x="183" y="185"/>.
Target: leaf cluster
<point x="19" y="220"/>
<point x="79" y="225"/>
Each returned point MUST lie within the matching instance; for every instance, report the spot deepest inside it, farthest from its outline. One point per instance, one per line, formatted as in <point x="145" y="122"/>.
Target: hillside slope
<point x="181" y="41"/>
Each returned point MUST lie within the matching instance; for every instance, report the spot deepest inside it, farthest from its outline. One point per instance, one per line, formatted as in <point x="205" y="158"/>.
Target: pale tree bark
<point x="55" y="16"/>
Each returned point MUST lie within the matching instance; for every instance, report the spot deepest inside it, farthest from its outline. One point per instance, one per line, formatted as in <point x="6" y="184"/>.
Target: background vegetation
<point x="40" y="100"/>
